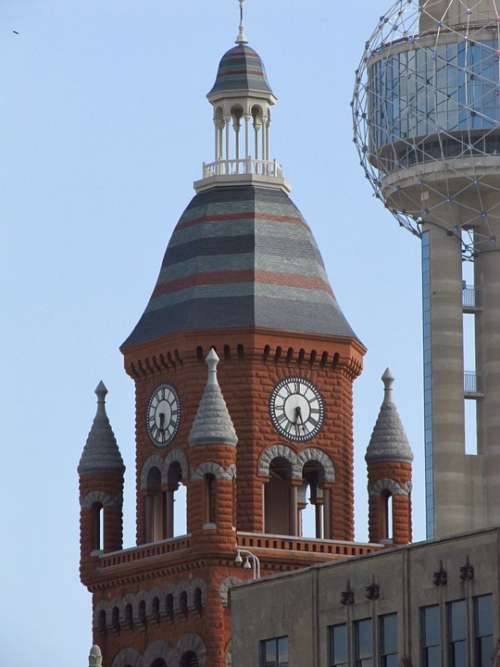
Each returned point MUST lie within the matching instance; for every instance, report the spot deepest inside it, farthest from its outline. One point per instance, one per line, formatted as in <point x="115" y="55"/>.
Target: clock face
<point x="297" y="409"/>
<point x="163" y="415"/>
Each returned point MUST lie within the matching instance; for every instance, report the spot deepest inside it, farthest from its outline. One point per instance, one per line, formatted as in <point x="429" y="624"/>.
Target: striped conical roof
<point x="242" y="69"/>
<point x="241" y="257"/>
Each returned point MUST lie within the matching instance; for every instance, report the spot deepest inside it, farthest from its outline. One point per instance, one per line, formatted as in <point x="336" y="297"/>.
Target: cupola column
<point x="247" y="135"/>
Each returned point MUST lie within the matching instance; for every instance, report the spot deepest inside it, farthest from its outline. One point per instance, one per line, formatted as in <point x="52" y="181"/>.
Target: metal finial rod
<point x="242" y="38"/>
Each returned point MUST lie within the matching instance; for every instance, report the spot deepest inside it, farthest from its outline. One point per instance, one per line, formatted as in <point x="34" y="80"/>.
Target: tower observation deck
<point x="426" y="112"/>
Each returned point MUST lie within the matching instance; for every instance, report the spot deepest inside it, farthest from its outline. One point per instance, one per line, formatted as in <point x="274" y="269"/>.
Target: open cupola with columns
<point x="262" y="443"/>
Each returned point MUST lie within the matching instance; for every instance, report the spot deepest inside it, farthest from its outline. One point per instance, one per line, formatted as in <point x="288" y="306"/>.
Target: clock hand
<point x="162" y="421"/>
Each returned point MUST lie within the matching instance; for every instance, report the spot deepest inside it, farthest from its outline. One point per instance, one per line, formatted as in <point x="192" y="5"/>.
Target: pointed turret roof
<point x="389" y="441"/>
<point x="101" y="453"/>
<point x="213" y="423"/>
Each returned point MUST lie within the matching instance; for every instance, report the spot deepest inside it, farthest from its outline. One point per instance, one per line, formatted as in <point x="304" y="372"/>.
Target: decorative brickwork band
<point x="163" y="465"/>
<point x="214" y="469"/>
<point x="101" y="498"/>
<point x="390" y="485"/>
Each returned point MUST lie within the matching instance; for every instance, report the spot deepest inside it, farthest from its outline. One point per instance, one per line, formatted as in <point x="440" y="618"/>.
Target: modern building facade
<point x="243" y="365"/>
<point x="427" y="128"/>
<point x="429" y="605"/>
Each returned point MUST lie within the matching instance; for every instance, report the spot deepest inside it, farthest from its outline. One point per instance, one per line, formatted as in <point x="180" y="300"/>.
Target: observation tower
<point x="426" y="112"/>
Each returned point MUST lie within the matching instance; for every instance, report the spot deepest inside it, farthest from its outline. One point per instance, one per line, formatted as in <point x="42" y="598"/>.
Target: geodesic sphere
<point x="426" y="112"/>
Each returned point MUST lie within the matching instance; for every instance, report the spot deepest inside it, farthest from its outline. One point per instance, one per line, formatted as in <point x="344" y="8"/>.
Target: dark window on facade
<point x="483" y="630"/>
<point x="363" y="643"/>
<point x="388" y="640"/>
<point x="431" y="636"/>
<point x="457" y="633"/>
<point x="338" y="646"/>
<point x="274" y="652"/>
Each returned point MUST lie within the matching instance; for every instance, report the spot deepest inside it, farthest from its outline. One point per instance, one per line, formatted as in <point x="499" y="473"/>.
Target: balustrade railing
<point x="305" y="545"/>
<point x="152" y="550"/>
<point x="469" y="297"/>
<point x="471" y="383"/>
<point x="243" y="167"/>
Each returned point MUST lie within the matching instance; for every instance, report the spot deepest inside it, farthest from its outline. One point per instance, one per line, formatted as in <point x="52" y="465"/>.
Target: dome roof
<point x="389" y="441"/>
<point x="101" y="453"/>
<point x="241" y="257"/>
<point x="241" y="68"/>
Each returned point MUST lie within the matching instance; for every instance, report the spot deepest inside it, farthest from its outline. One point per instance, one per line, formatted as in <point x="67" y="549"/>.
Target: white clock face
<point x="163" y="416"/>
<point x="297" y="409"/>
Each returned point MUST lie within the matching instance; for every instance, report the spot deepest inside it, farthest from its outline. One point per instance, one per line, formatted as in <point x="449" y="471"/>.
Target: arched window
<point x="311" y="502"/>
<point x="189" y="659"/>
<point x="97" y="527"/>
<point x="278" y="499"/>
<point x="129" y="617"/>
<point x="153" y="507"/>
<point x="175" y="502"/>
<point x="115" y="619"/>
<point x="159" y="662"/>
<point x="210" y="514"/>
<point x="169" y="606"/>
<point x="156" y="609"/>
<point x="198" y="600"/>
<point x="142" y="612"/>
<point x="387" y="515"/>
<point x="101" y="621"/>
<point x="183" y="603"/>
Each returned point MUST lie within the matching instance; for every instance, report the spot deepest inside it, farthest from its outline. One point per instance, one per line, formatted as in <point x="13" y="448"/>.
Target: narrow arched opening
<point x="189" y="659"/>
<point x="278" y="498"/>
<point x="198" y="600"/>
<point x="155" y="609"/>
<point x="169" y="606"/>
<point x="311" y="501"/>
<point x="210" y="498"/>
<point x="175" y="502"/>
<point x="129" y="617"/>
<point x="142" y="612"/>
<point x="237" y="116"/>
<point x="101" y="621"/>
<point x="159" y="662"/>
<point x="183" y="604"/>
<point x="153" y="507"/>
<point x="97" y="520"/>
<point x="387" y="516"/>
<point x="115" y="619"/>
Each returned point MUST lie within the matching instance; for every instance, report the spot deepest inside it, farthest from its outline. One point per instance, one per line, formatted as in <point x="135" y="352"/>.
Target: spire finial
<point x="212" y="361"/>
<point x="388" y="380"/>
<point x="242" y="38"/>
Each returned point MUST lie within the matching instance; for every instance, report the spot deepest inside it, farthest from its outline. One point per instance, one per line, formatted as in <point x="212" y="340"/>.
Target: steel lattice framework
<point x="426" y="112"/>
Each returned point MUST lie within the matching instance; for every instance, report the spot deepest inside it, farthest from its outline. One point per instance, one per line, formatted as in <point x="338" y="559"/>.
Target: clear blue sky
<point x="104" y="125"/>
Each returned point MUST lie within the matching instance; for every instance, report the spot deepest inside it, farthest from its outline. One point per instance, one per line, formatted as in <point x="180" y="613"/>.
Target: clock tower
<point x="243" y="364"/>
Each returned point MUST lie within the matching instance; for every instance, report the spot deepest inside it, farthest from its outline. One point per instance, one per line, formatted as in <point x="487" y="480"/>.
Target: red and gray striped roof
<point x="241" y="68"/>
<point x="241" y="257"/>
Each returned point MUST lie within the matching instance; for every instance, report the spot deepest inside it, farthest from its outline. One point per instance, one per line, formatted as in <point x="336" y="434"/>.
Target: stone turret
<point x="389" y="458"/>
<point x="101" y="472"/>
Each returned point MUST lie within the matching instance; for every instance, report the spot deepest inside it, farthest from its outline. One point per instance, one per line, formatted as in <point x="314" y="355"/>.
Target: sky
<point x="104" y="125"/>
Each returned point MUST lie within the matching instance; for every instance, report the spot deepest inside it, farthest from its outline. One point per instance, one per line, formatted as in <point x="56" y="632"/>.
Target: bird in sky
<point x="15" y="32"/>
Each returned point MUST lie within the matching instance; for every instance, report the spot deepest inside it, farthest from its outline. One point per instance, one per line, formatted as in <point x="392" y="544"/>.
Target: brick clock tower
<point x="243" y="365"/>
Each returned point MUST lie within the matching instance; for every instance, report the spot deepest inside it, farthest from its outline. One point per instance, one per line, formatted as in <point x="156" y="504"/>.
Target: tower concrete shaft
<point x="427" y="126"/>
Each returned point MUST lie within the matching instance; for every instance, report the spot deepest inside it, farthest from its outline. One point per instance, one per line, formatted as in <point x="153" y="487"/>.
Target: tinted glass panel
<point x="484" y="615"/>
<point x="364" y="640"/>
<point x="458" y="620"/>
<point x="389" y="634"/>
<point x="283" y="652"/>
<point x="431" y="636"/>
<point x="338" y="645"/>
<point x="484" y="656"/>
<point x="458" y="654"/>
<point x="269" y="653"/>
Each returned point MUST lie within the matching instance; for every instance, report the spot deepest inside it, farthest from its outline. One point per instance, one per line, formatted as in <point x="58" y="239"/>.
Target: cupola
<point x="242" y="99"/>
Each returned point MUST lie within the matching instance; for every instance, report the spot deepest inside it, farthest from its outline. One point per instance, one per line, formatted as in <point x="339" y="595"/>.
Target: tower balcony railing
<point x="471" y="384"/>
<point x="304" y="545"/>
<point x="243" y="167"/>
<point x="470" y="301"/>
<point x="139" y="553"/>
